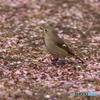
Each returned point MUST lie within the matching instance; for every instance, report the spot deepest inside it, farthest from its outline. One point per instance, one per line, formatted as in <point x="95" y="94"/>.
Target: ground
<point x="26" y="70"/>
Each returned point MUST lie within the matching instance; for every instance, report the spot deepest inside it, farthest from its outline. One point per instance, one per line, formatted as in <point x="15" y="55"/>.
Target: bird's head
<point x="47" y="31"/>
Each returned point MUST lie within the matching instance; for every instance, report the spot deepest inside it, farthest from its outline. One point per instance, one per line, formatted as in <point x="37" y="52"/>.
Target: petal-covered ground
<point x="26" y="72"/>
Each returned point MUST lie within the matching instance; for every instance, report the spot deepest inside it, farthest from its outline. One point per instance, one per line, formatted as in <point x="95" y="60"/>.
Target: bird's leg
<point x="54" y="61"/>
<point x="57" y="62"/>
<point x="62" y="61"/>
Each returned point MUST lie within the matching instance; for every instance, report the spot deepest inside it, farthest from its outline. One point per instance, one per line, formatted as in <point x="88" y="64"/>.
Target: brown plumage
<point x="56" y="46"/>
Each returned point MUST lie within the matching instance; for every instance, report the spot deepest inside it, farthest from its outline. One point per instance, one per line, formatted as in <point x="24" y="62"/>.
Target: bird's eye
<point x="46" y="30"/>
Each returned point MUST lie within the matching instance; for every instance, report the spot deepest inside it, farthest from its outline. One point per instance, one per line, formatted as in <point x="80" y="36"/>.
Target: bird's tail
<point x="79" y="58"/>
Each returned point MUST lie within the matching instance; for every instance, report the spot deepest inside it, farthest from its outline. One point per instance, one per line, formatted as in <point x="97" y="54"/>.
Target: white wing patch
<point x="64" y="45"/>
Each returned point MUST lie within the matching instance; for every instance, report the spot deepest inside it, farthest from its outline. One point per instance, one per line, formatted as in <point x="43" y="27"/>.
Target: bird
<point x="56" y="46"/>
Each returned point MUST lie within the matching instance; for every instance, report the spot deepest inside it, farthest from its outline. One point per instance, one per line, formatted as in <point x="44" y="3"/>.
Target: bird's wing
<point x="65" y="47"/>
<point x="60" y="43"/>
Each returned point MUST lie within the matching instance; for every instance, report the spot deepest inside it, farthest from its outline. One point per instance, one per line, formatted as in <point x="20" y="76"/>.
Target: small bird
<point x="56" y="46"/>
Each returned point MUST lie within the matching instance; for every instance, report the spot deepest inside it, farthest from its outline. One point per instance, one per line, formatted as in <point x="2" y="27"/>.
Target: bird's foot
<point x="54" y="61"/>
<point x="57" y="62"/>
